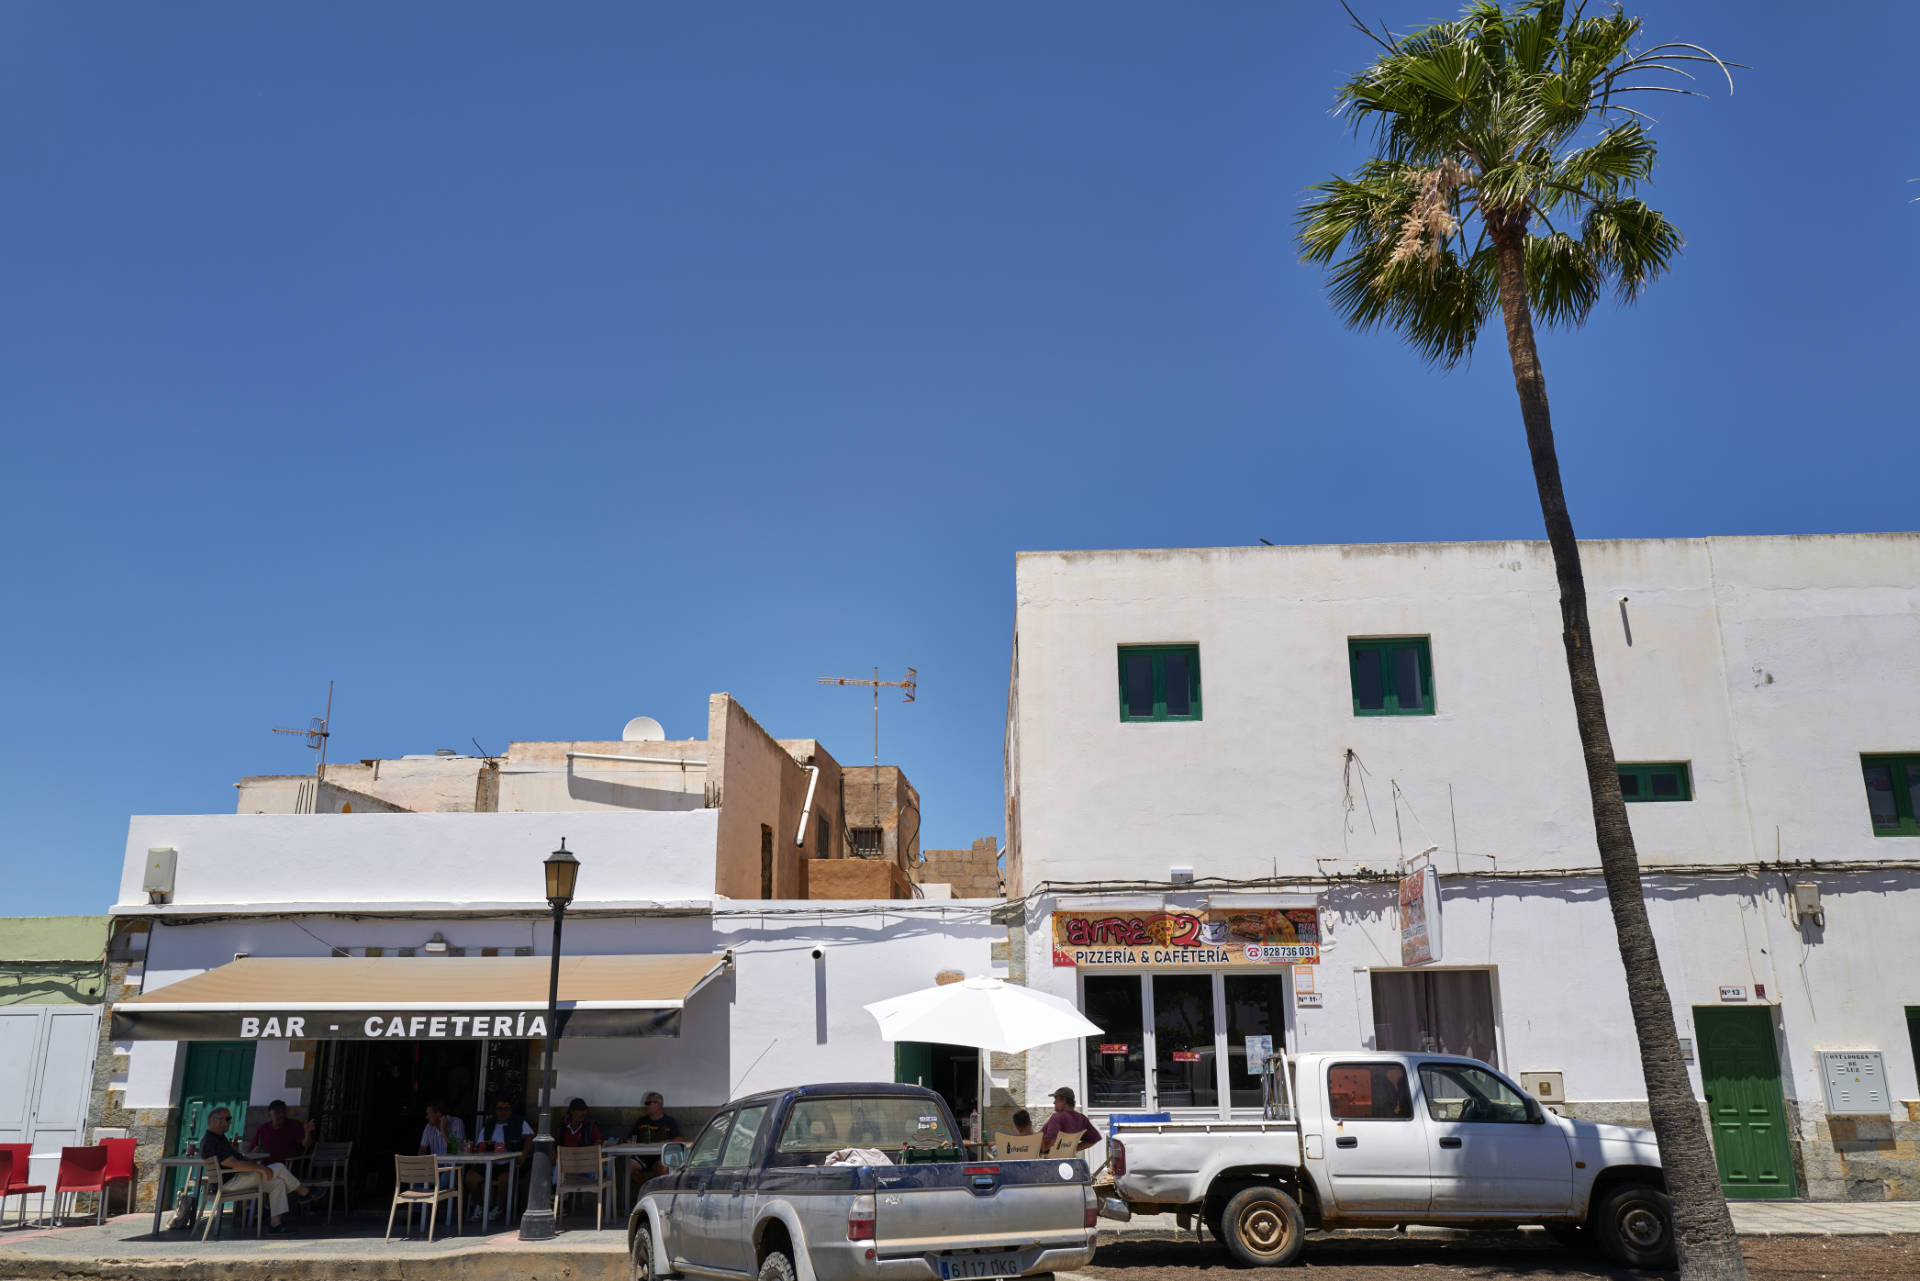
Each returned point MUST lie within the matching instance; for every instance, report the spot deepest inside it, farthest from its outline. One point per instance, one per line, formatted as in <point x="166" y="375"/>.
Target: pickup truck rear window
<point x="887" y="1122"/>
<point x="1369" y="1092"/>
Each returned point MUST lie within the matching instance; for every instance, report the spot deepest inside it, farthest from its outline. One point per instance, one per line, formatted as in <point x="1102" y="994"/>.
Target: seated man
<point x="441" y="1135"/>
<point x="281" y="1139"/>
<point x="510" y="1130"/>
<point x="577" y="1129"/>
<point x="1023" y="1122"/>
<point x="1065" y="1120"/>
<point x="654" y="1126"/>
<point x="276" y="1178"/>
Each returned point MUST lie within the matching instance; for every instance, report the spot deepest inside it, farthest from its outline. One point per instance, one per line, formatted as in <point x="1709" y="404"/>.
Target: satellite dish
<point x="643" y="729"/>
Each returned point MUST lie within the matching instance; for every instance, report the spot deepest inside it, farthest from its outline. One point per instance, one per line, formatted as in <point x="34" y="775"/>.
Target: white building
<point x="359" y="962"/>
<point x="1252" y="743"/>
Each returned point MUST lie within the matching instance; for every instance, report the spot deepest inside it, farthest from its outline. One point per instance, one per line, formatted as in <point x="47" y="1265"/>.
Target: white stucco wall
<point x="247" y="861"/>
<point x="1260" y="784"/>
<point x="779" y="1018"/>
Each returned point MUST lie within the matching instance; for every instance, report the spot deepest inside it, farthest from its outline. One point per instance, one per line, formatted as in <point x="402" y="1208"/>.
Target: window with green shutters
<point x="1663" y="781"/>
<point x="1893" y="793"/>
<point x="1159" y="682"/>
<point x="1391" y="677"/>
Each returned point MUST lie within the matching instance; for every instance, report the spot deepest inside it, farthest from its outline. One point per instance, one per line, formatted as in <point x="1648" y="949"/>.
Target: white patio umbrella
<point x="987" y="1014"/>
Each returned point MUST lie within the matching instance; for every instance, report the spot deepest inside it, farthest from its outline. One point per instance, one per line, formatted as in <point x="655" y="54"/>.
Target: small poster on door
<point x="1259" y="1050"/>
<point x="1186" y="1056"/>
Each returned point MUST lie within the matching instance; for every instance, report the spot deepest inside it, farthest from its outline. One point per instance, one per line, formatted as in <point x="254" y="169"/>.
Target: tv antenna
<point x="316" y="734"/>
<point x="906" y="687"/>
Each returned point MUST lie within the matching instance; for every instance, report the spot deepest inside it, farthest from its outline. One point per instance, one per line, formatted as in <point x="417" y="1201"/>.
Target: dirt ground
<point x="1498" y="1255"/>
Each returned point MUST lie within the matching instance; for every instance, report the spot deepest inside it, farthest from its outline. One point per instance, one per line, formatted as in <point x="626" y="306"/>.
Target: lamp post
<point x="537" y="1224"/>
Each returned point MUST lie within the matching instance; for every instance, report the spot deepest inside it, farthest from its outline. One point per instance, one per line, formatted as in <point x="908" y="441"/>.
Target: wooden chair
<point x="579" y="1170"/>
<point x="326" y="1167"/>
<point x="1012" y="1147"/>
<point x="13" y="1180"/>
<point x="416" y="1181"/>
<point x="218" y="1191"/>
<point x="1066" y="1143"/>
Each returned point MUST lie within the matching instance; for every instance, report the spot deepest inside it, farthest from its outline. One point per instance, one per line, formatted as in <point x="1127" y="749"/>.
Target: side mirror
<point x="674" y="1156"/>
<point x="1536" y="1115"/>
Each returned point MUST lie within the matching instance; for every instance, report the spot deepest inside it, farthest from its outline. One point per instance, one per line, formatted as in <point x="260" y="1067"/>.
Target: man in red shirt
<point x="281" y="1139"/>
<point x="1067" y="1121"/>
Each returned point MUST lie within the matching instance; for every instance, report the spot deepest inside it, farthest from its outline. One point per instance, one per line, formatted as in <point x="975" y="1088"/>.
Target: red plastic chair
<point x="13" y="1179"/>
<point x="81" y="1170"/>
<point x="120" y="1165"/>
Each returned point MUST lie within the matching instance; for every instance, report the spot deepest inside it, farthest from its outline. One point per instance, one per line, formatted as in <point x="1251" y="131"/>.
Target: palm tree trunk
<point x="1708" y="1247"/>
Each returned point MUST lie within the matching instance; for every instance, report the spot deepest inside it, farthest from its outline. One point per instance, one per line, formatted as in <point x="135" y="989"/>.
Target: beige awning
<point x="424" y="997"/>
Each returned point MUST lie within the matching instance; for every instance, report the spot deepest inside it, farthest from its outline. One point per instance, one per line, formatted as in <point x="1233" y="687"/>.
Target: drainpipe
<point x="813" y="781"/>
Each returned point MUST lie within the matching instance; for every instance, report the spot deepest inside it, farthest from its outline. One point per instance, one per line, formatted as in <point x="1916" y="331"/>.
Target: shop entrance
<point x="374" y="1095"/>
<point x="218" y="1074"/>
<point x="1181" y="1040"/>
<point x="951" y="1071"/>
<point x="1740" y="1069"/>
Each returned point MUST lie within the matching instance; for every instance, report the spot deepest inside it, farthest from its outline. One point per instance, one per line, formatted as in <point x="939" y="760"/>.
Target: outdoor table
<point x="160" y="1195"/>
<point x="487" y="1160"/>
<point x="615" y="1151"/>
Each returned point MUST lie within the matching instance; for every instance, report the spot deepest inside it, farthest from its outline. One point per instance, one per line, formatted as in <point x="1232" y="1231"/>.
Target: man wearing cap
<point x="1067" y="1121"/>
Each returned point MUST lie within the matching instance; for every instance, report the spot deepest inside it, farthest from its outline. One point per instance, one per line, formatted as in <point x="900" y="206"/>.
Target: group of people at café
<point x="508" y="1131"/>
<point x="279" y="1140"/>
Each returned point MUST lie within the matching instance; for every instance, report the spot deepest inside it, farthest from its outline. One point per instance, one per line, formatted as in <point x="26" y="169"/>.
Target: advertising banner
<point x="1234" y="937"/>
<point x="1419" y="917"/>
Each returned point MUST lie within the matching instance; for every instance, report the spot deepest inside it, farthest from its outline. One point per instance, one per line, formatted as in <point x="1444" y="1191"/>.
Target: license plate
<point x="965" y="1267"/>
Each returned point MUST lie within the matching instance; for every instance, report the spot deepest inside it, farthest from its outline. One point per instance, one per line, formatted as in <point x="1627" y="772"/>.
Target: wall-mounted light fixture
<point x="437" y="945"/>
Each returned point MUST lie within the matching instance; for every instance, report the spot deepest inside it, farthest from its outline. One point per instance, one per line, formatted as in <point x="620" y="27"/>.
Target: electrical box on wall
<point x="1549" y="1087"/>
<point x="158" y="881"/>
<point x="1856" y="1082"/>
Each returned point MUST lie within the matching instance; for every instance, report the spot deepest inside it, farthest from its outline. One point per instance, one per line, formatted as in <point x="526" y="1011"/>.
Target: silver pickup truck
<point x="754" y="1195"/>
<point x="1370" y="1139"/>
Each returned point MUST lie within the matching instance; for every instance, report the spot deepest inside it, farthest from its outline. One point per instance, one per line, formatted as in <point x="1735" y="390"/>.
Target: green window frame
<point x="1894" y="778"/>
<point x="1655" y="781"/>
<point x="1378" y="673"/>
<point x="1144" y="671"/>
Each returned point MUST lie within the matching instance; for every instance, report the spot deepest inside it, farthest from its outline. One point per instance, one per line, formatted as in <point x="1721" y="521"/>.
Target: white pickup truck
<point x="1383" y="1139"/>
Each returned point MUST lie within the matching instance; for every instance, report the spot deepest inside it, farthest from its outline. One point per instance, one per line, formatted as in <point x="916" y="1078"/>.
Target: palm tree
<point x="1507" y="158"/>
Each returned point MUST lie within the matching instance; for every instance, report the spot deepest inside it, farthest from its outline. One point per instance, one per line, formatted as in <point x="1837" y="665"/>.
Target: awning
<point x="437" y="998"/>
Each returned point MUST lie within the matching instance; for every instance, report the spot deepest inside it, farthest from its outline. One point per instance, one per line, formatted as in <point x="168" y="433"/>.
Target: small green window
<point x="1392" y="677"/>
<point x="1663" y="781"/>
<point x="1159" y="682"/>
<point x="1893" y="794"/>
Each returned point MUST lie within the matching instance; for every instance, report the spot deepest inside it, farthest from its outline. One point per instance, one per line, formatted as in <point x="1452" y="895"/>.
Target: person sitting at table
<point x="443" y="1134"/>
<point x="276" y="1179"/>
<point x="509" y="1130"/>
<point x="577" y="1129"/>
<point x="1023" y="1122"/>
<point x="280" y="1139"/>
<point x="1066" y="1120"/>
<point x="653" y="1126"/>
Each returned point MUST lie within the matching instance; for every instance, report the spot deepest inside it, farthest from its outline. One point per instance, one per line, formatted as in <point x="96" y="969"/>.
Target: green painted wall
<point x="52" y="960"/>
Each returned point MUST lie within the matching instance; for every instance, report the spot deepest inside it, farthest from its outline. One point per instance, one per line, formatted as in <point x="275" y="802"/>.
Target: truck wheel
<point x="1635" y="1226"/>
<point x="776" y="1267"/>
<point x="640" y="1260"/>
<point x="1262" y="1227"/>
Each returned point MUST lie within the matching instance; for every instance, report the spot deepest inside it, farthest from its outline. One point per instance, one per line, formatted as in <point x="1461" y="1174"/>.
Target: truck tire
<point x="1262" y="1227"/>
<point x="777" y="1267"/>
<point x="1634" y="1225"/>
<point x="640" y="1256"/>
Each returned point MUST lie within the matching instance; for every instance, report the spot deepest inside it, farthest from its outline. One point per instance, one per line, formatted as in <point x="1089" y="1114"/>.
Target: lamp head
<point x="563" y="869"/>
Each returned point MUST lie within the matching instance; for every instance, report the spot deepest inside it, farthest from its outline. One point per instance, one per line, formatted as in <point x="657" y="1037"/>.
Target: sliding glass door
<point x="1179" y="1041"/>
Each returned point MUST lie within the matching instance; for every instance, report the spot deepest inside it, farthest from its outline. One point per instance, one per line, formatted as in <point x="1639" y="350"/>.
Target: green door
<point x="913" y="1063"/>
<point x="1740" y="1067"/>
<point x="218" y="1074"/>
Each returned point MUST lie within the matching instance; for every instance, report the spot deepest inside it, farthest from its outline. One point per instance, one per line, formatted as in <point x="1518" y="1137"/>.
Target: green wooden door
<point x="913" y="1063"/>
<point x="1740" y="1067"/>
<point x="218" y="1074"/>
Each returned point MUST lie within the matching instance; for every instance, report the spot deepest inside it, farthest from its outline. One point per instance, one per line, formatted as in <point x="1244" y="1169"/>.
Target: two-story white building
<point x="1222" y="765"/>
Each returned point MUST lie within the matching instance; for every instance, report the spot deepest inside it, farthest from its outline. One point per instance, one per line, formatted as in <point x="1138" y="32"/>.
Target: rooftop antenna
<point x="316" y="734"/>
<point x="906" y="687"/>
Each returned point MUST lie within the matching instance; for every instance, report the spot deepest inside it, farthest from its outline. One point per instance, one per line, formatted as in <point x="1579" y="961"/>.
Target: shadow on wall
<point x="628" y="797"/>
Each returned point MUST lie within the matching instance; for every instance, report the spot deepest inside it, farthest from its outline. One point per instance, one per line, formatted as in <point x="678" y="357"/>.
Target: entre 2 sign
<point x="1176" y="940"/>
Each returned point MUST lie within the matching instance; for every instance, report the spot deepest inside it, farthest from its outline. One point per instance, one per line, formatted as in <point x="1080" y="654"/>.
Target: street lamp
<point x="537" y="1224"/>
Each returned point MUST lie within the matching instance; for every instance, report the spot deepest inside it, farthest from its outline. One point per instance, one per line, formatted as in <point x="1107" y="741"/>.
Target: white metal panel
<point x="19" y="1063"/>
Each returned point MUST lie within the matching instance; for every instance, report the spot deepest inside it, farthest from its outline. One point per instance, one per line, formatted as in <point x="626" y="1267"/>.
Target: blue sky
<point x="524" y="369"/>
